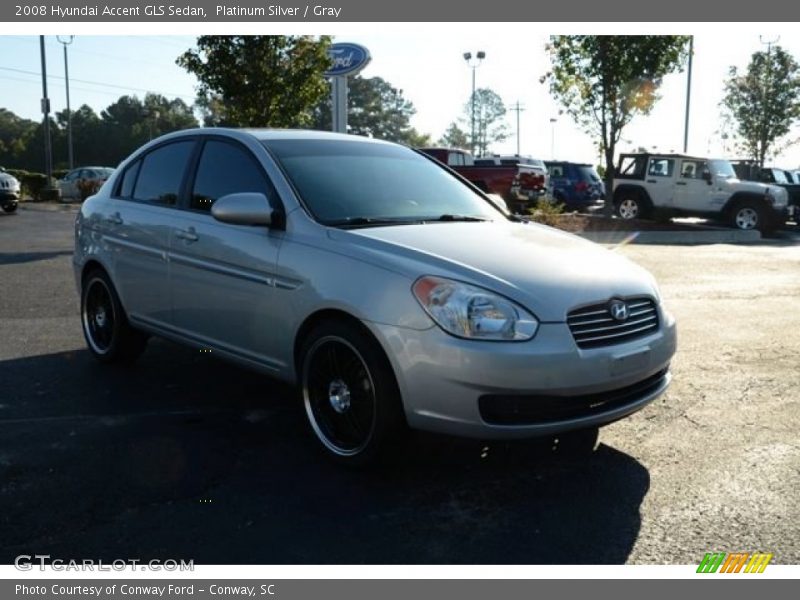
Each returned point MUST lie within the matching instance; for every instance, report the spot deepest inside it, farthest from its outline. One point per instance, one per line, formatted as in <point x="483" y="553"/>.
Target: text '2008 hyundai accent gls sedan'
<point x="391" y="291"/>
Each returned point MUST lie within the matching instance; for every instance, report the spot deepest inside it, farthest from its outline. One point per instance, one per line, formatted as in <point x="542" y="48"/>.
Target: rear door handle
<point x="680" y="183"/>
<point x="114" y="219"/>
<point x="188" y="235"/>
<point x="651" y="181"/>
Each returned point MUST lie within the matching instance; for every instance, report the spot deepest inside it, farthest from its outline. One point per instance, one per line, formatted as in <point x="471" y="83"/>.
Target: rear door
<point x="141" y="215"/>
<point x="223" y="275"/>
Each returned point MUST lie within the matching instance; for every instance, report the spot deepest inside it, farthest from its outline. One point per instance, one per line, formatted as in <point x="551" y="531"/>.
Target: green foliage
<point x="259" y="80"/>
<point x="603" y="82"/>
<point x="764" y="102"/>
<point x="33" y="184"/>
<point x="374" y="109"/>
<point x="455" y="137"/>
<point x="103" y="139"/>
<point x="547" y="212"/>
<point x="490" y="125"/>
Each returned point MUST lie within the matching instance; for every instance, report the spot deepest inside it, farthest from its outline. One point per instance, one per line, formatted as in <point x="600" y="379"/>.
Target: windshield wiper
<point x="468" y="218"/>
<point x="353" y="222"/>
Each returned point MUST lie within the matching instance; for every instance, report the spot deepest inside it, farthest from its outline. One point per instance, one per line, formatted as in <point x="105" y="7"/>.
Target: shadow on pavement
<point x="183" y="456"/>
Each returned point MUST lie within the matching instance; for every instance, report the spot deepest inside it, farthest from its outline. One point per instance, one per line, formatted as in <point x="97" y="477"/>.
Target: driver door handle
<point x="188" y="235"/>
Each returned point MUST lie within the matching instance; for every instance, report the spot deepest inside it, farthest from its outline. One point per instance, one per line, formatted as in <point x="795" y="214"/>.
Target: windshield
<point x="722" y="168"/>
<point x="361" y="183"/>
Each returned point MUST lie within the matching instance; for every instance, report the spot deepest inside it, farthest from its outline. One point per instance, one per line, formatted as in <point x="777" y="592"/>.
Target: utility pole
<point x="553" y="121"/>
<point x="688" y="96"/>
<point x="48" y="152"/>
<point x="66" y="42"/>
<point x="518" y="108"/>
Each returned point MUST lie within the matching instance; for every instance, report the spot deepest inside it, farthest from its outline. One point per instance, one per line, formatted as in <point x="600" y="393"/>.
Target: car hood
<point x="546" y="270"/>
<point x="755" y="187"/>
<point x="7" y="177"/>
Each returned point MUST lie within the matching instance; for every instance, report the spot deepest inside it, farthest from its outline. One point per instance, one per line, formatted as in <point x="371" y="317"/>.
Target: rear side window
<point x="556" y="170"/>
<point x="589" y="174"/>
<point x="225" y="168"/>
<point x="161" y="173"/>
<point x="129" y="179"/>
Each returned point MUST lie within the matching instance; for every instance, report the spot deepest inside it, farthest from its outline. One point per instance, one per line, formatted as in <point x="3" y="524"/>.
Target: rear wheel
<point x="350" y="394"/>
<point x="108" y="334"/>
<point x="630" y="205"/>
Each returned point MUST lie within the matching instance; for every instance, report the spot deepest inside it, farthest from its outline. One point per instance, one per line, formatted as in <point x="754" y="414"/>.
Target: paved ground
<point x="183" y="456"/>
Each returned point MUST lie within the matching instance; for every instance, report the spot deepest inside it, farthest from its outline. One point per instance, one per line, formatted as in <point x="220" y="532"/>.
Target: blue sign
<point x="347" y="59"/>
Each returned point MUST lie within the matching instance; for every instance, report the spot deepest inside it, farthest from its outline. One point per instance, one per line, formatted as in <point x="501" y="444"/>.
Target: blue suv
<point x="575" y="185"/>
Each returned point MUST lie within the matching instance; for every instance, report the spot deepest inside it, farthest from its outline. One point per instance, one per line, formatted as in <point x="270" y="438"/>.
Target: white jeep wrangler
<point x="671" y="185"/>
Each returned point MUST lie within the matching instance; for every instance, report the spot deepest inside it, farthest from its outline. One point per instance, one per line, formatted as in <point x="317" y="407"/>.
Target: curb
<point x="49" y="206"/>
<point x="722" y="236"/>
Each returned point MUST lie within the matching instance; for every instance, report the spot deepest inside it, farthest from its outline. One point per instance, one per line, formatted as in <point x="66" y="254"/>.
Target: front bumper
<point x="9" y="196"/>
<point x="449" y="384"/>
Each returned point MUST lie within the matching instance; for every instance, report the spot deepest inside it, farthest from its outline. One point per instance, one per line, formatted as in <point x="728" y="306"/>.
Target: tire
<point x="748" y="215"/>
<point x="350" y="394"/>
<point x="630" y="205"/>
<point x="10" y="208"/>
<point x="576" y="444"/>
<point x="108" y="334"/>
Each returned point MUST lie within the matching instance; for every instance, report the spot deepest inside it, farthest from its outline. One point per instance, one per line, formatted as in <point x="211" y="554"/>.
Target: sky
<point x="429" y="68"/>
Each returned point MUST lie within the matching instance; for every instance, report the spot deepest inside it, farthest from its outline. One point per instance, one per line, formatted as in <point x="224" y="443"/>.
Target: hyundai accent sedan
<point x="392" y="292"/>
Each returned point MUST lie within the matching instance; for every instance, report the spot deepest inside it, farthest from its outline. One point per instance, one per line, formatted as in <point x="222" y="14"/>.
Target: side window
<point x="693" y="169"/>
<point x="661" y="167"/>
<point x="161" y="173"/>
<point x="225" y="168"/>
<point x="128" y="179"/>
<point x="556" y="171"/>
<point x="455" y="159"/>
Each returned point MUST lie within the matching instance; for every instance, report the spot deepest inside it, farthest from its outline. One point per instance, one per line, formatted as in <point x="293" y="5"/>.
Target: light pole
<point x="48" y="153"/>
<point x="688" y="96"/>
<point x="553" y="121"/>
<point x="518" y="108"/>
<point x="66" y="42"/>
<point x="479" y="56"/>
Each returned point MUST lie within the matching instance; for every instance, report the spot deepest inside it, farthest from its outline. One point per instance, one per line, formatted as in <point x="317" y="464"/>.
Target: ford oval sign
<point x="347" y="59"/>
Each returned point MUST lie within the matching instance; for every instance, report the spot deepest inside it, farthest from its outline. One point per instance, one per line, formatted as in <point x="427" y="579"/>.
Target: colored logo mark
<point x="734" y="562"/>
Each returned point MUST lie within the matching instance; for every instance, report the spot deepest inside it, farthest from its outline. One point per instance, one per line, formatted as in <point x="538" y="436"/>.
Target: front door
<point x="222" y="275"/>
<point x="691" y="190"/>
<point x="659" y="181"/>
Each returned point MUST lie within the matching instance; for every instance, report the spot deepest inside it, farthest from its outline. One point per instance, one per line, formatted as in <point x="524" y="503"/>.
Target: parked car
<point x="70" y="184"/>
<point x="664" y="185"/>
<point x="392" y="292"/>
<point x="784" y="179"/>
<point x="575" y="185"/>
<point x="518" y="184"/>
<point x="510" y="160"/>
<point x="9" y="191"/>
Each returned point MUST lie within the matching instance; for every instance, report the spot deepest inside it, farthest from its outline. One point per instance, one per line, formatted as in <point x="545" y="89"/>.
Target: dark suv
<point x="575" y="185"/>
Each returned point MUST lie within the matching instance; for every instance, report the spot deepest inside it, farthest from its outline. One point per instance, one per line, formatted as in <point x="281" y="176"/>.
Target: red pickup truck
<point x="518" y="184"/>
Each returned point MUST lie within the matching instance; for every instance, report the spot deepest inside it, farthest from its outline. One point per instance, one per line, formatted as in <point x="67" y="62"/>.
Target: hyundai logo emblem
<point x="618" y="310"/>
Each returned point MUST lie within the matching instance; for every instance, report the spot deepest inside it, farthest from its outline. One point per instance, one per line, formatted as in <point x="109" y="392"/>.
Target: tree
<point x="376" y="109"/>
<point x="764" y="102"/>
<point x="454" y="137"/>
<point x="259" y="81"/>
<point x="490" y="125"/>
<point x="603" y="82"/>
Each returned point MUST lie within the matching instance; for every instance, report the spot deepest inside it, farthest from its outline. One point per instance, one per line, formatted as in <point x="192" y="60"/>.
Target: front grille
<point x="497" y="409"/>
<point x="594" y="326"/>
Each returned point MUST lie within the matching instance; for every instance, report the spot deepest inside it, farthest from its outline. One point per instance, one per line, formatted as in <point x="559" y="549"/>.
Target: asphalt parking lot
<point x="184" y="456"/>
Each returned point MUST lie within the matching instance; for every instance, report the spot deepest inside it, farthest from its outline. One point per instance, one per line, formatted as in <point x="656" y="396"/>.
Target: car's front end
<point x="9" y="192"/>
<point x="518" y="349"/>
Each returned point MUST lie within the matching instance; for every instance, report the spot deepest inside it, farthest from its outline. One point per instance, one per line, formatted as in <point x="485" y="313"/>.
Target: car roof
<point x="268" y="134"/>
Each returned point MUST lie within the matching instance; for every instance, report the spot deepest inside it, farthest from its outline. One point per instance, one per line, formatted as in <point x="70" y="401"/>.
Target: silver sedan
<point x="393" y="293"/>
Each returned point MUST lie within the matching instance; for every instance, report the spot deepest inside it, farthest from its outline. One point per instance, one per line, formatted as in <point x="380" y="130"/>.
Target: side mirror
<point x="707" y="177"/>
<point x="499" y="203"/>
<point x="246" y="208"/>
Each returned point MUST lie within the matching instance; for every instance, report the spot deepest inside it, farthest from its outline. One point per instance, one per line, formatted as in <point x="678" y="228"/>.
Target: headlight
<point x="471" y="312"/>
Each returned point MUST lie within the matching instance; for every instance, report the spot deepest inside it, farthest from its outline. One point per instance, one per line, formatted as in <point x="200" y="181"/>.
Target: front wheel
<point x="109" y="336"/>
<point x="350" y="394"/>
<point x="748" y="215"/>
<point x="10" y="208"/>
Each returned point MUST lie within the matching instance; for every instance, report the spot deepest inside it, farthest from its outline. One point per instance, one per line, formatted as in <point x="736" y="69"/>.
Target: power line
<point x="101" y="84"/>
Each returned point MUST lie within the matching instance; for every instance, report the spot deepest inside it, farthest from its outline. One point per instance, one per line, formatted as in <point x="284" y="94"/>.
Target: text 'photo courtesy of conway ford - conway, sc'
<point x="391" y="291"/>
